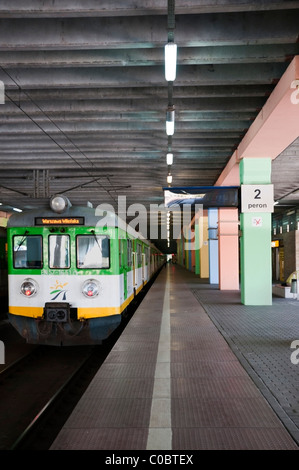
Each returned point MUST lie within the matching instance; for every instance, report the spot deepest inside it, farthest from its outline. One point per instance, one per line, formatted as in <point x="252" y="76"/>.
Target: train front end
<point x="63" y="278"/>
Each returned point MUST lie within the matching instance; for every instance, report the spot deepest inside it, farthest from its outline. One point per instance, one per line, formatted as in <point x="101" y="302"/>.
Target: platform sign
<point x="257" y="198"/>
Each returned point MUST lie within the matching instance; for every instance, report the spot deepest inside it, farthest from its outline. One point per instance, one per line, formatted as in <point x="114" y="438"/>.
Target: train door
<point x="143" y="267"/>
<point x="129" y="268"/>
<point x="152" y="265"/>
<point x="134" y="258"/>
<point x="122" y="266"/>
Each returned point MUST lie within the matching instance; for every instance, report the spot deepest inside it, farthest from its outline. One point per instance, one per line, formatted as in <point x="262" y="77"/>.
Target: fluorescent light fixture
<point x="169" y="179"/>
<point x="170" y="120"/>
<point x="16" y="209"/>
<point x="169" y="128"/>
<point x="170" y="51"/>
<point x="169" y="158"/>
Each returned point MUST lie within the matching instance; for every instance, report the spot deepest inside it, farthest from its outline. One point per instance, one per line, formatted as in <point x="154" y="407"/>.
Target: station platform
<point x="194" y="369"/>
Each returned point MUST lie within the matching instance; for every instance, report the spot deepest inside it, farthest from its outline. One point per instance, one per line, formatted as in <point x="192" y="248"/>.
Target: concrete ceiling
<point x="86" y="98"/>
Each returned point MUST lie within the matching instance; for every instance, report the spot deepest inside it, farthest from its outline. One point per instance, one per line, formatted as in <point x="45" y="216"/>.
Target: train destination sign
<point x="257" y="198"/>
<point x="59" y="221"/>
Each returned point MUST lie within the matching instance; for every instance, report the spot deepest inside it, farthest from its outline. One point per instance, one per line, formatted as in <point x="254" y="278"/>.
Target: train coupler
<point x="57" y="312"/>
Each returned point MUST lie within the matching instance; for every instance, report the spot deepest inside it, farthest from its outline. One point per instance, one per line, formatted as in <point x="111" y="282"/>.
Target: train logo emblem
<point x="58" y="290"/>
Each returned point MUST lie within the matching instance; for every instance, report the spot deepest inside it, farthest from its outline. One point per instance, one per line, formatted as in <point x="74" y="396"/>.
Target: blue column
<point x="213" y="245"/>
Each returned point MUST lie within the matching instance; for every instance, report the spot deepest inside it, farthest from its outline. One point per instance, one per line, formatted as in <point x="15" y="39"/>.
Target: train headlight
<point x="29" y="287"/>
<point x="91" y="288"/>
<point x="59" y="203"/>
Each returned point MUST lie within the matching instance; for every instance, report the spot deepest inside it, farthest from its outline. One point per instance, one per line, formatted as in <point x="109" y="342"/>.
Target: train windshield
<point x="93" y="252"/>
<point x="59" y="251"/>
<point x="27" y="251"/>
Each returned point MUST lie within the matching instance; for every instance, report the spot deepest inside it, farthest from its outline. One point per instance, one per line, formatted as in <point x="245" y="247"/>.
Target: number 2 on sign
<point x="258" y="194"/>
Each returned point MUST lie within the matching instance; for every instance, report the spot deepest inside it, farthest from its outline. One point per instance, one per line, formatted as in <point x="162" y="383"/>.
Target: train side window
<point x="129" y="252"/>
<point x="147" y="255"/>
<point x="59" y="251"/>
<point x="93" y="252"/>
<point x="120" y="251"/>
<point x="139" y="251"/>
<point x="27" y="251"/>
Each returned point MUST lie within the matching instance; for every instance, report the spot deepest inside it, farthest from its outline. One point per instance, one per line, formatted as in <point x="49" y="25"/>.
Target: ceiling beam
<point x="143" y="57"/>
<point x="246" y="28"/>
<point x="221" y="74"/>
<point x="142" y="93"/>
<point x="86" y="8"/>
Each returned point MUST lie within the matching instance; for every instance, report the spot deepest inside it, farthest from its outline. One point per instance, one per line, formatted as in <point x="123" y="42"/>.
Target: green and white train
<point x="71" y="276"/>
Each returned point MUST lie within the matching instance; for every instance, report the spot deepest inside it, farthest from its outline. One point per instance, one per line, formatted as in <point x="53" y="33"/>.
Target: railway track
<point x="43" y="428"/>
<point x="40" y="390"/>
<point x="30" y="386"/>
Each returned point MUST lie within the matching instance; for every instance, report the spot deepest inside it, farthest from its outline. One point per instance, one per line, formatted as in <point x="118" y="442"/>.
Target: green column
<point x="255" y="242"/>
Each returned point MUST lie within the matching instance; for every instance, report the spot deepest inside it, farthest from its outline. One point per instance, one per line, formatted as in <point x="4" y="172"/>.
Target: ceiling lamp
<point x="169" y="158"/>
<point x="170" y="51"/>
<point x="170" y="120"/>
<point x="169" y="179"/>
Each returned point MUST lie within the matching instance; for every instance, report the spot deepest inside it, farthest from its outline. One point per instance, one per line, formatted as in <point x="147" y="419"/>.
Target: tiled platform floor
<point x="194" y="369"/>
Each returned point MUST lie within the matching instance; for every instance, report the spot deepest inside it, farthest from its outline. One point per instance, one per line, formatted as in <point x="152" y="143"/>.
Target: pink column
<point x="228" y="237"/>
